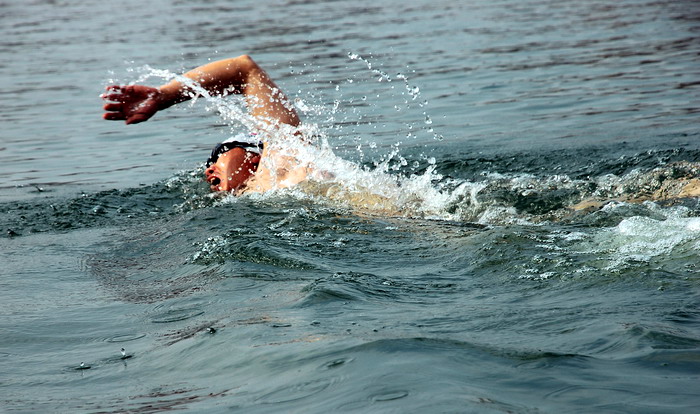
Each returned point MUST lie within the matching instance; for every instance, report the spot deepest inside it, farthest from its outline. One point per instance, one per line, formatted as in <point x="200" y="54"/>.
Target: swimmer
<point x="236" y="164"/>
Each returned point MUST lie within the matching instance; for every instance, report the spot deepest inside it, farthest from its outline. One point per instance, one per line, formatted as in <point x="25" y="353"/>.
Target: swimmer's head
<point x="226" y="146"/>
<point x="227" y="169"/>
<point x="219" y="149"/>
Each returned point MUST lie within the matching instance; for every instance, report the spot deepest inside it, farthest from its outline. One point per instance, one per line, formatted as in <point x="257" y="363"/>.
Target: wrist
<point x="169" y="95"/>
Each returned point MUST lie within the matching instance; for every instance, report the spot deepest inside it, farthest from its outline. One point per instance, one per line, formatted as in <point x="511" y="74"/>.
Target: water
<point x="511" y="225"/>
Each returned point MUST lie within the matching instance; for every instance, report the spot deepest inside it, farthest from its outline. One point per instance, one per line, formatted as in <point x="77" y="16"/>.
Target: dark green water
<point x="445" y="268"/>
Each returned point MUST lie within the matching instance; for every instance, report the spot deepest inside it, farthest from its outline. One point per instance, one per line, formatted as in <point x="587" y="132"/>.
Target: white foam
<point x="383" y="190"/>
<point x="642" y="240"/>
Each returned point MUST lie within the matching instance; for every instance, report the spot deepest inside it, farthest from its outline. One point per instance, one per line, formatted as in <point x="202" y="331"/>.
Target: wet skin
<point x="231" y="170"/>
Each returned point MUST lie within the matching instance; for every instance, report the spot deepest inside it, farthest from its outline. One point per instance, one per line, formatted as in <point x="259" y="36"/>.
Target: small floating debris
<point x="83" y="366"/>
<point x="336" y="362"/>
<point x="211" y="330"/>
<point x="125" y="355"/>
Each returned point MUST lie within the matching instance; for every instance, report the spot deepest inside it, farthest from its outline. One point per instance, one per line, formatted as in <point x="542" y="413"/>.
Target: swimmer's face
<point x="220" y="174"/>
<point x="231" y="170"/>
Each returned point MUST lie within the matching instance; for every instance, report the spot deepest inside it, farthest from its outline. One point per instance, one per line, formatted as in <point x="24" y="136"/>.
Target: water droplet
<point x="124" y="354"/>
<point x="414" y="92"/>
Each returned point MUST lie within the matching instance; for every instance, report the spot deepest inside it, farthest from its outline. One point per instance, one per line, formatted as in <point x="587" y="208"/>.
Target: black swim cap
<point x="226" y="146"/>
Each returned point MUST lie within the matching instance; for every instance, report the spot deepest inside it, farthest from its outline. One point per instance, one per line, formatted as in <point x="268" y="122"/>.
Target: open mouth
<point x="215" y="181"/>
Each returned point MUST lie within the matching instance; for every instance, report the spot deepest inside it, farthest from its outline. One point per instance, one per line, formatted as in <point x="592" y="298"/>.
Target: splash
<point x="410" y="90"/>
<point x="670" y="239"/>
<point x="370" y="191"/>
<point x="390" y="186"/>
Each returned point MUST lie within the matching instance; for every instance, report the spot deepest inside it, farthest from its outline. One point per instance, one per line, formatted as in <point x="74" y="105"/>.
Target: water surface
<point x="506" y="230"/>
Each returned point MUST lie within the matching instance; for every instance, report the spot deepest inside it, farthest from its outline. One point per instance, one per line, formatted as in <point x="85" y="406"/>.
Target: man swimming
<point x="236" y="164"/>
<point x="246" y="163"/>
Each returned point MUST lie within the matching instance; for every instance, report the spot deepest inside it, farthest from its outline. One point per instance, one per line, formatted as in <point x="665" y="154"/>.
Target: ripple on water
<point x="176" y="314"/>
<point x="388" y="395"/>
<point x="336" y="363"/>
<point x="295" y="392"/>
<point x="373" y="398"/>
<point x="583" y="396"/>
<point x="233" y="247"/>
<point x="125" y="337"/>
<point x="662" y="337"/>
<point x="347" y="286"/>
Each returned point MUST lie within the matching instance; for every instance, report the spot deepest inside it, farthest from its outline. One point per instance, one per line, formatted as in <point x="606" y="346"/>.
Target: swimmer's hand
<point x="132" y="103"/>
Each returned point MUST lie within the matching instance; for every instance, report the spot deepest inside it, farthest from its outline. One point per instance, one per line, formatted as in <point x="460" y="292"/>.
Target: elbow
<point x="243" y="64"/>
<point x="245" y="61"/>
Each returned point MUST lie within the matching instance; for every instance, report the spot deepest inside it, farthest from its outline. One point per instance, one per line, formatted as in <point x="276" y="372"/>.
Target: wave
<point x="436" y="193"/>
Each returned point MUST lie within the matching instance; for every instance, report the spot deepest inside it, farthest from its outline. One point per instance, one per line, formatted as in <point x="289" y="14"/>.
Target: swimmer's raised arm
<point x="138" y="103"/>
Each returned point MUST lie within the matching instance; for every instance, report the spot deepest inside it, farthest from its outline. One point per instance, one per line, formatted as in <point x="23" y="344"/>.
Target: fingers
<point x="114" y="97"/>
<point x="115" y="111"/>
<point x="131" y="103"/>
<point x="120" y="116"/>
<point x="125" y="89"/>
<point x="110" y="89"/>
<point x="113" y="107"/>
<point x="117" y="93"/>
<point x="113" y="116"/>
